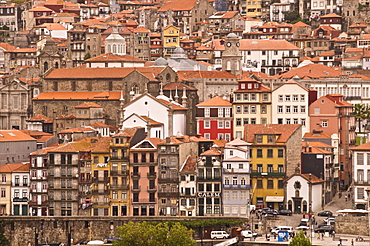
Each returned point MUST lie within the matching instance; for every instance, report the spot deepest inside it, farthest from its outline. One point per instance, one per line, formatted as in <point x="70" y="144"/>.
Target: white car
<point x="329" y="219"/>
<point x="302" y="228"/>
<point x="219" y="235"/>
<point x="248" y="233"/>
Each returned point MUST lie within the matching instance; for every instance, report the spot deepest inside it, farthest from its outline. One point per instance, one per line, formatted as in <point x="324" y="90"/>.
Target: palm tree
<point x="361" y="113"/>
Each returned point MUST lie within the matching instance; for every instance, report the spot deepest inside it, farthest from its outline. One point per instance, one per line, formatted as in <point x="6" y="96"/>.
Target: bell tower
<point x="231" y="57"/>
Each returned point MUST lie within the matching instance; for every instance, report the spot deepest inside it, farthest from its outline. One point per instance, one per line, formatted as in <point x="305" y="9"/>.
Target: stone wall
<point x="21" y="231"/>
<point x="353" y="225"/>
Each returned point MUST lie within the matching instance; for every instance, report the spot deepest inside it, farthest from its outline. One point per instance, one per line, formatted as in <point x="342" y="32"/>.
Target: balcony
<point x="119" y="187"/>
<point x="119" y="158"/>
<point x="152" y="175"/>
<point x="20" y="199"/>
<point x="274" y="173"/>
<point x="144" y="200"/>
<point x="168" y="194"/>
<point x="135" y="175"/>
<point x="238" y="186"/>
<point x="85" y="180"/>
<point x="208" y="179"/>
<point x="152" y="188"/>
<point x="119" y="173"/>
<point x="100" y="192"/>
<point x="136" y="188"/>
<point x="100" y="179"/>
<point x="85" y="193"/>
<point x="168" y="180"/>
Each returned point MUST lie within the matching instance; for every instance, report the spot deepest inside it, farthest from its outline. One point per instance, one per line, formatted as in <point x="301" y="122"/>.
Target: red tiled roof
<point x="284" y="131"/>
<point x="187" y="75"/>
<point x="89" y="95"/>
<point x="41" y="117"/>
<point x="88" y="105"/>
<point x="15" y="167"/>
<point x="190" y="164"/>
<point x="179" y="86"/>
<point x="14" y="136"/>
<point x="261" y="44"/>
<point x="112" y="57"/>
<point x="212" y="151"/>
<point x="310" y="70"/>
<point x="178" y="5"/>
<point x="215" y="101"/>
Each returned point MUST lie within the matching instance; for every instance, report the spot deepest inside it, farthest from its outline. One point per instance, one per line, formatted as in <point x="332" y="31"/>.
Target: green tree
<point x="87" y="56"/>
<point x="300" y="240"/>
<point x="291" y="16"/>
<point x="149" y="234"/>
<point x="361" y="113"/>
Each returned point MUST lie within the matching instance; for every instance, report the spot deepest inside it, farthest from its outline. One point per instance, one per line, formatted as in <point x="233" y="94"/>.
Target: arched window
<point x="108" y="48"/>
<point x="46" y="66"/>
<point x="56" y="65"/>
<point x="114" y="49"/>
<point x="228" y="66"/>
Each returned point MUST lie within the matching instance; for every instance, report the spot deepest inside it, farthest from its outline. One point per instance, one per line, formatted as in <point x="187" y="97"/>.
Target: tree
<point x="291" y="16"/>
<point x="300" y="239"/>
<point x="149" y="234"/>
<point x="361" y="112"/>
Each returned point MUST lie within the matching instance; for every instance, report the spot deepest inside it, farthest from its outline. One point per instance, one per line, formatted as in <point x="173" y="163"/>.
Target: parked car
<point x="248" y="233"/>
<point x="285" y="212"/>
<point x="325" y="213"/>
<point x="219" y="234"/>
<point x="323" y="229"/>
<point x="304" y="222"/>
<point x="276" y="229"/>
<point x="329" y="219"/>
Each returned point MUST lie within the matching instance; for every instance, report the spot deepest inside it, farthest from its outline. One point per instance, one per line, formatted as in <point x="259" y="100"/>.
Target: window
<point x="324" y="123"/>
<point x="259" y="168"/>
<point x="259" y="153"/>
<point x="360" y="193"/>
<point x="316" y="110"/>
<point x="245" y="121"/>
<point x="302" y="98"/>
<point x="270" y="168"/>
<point x="295" y="109"/>
<point x="303" y="122"/>
<point x="220" y="112"/>
<point x="259" y="139"/>
<point x="227" y="112"/>
<point x="270" y="184"/>
<point x="237" y="97"/>
<point x="207" y="112"/>
<point x="206" y="124"/>
<point x="280" y="153"/>
<point x="253" y="97"/>
<point x="220" y="124"/>
<point x="280" y="184"/>
<point x="3" y="192"/>
<point x="253" y="109"/>
<point x="287" y="109"/>
<point x="259" y="184"/>
<point x="246" y="97"/>
<point x="270" y="153"/>
<point x="295" y="121"/>
<point x="265" y="97"/>
<point x="227" y="124"/>
<point x="228" y="166"/>
<point x="238" y="122"/>
<point x="238" y="110"/>
<point x="287" y="98"/>
<point x="303" y="109"/>
<point x="253" y="121"/>
<point x="263" y="109"/>
<point x="295" y="98"/>
<point x="280" y="109"/>
<point x="360" y="159"/>
<point x="280" y="98"/>
<point x="246" y="109"/>
<point x="287" y="121"/>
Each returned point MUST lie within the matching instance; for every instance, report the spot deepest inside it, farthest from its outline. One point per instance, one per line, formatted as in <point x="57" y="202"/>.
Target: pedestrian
<point x="340" y="241"/>
<point x="304" y="215"/>
<point x="322" y="236"/>
<point x="345" y="198"/>
<point x="352" y="243"/>
<point x="318" y="235"/>
<point x="349" y="195"/>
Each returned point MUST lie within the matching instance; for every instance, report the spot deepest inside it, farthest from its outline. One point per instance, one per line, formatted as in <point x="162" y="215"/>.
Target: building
<point x="143" y="178"/>
<point x="361" y="175"/>
<point x="304" y="193"/>
<point x="251" y="105"/>
<point x="275" y="154"/>
<point x="20" y="188"/>
<point x="214" y="119"/>
<point x="209" y="182"/>
<point x="15" y="146"/>
<point x="236" y="179"/>
<point x="171" y="40"/>
<point x="334" y="117"/>
<point x="291" y="102"/>
<point x="268" y="56"/>
<point x="188" y="187"/>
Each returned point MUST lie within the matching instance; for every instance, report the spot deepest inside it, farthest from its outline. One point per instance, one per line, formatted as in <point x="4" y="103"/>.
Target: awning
<point x="274" y="198"/>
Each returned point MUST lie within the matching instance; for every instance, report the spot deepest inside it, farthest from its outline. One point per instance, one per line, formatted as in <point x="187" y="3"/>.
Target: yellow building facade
<point x="253" y="8"/>
<point x="171" y="40"/>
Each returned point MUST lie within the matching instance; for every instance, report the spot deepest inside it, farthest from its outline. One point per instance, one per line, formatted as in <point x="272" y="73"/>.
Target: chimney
<point x="309" y="176"/>
<point x="168" y="140"/>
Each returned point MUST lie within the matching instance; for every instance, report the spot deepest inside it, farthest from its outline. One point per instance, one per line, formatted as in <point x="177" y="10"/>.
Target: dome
<point x="160" y="62"/>
<point x="231" y="35"/>
<point x="178" y="51"/>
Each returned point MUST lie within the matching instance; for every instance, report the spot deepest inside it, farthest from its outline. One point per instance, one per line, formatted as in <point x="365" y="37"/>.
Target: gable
<point x="145" y="144"/>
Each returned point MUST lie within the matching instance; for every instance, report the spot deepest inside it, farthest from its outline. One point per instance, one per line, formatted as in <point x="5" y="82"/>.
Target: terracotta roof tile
<point x="315" y="150"/>
<point x="187" y="75"/>
<point x="41" y="117"/>
<point x="212" y="151"/>
<point x="365" y="146"/>
<point x="14" y="136"/>
<point x="179" y="86"/>
<point x="316" y="135"/>
<point x="90" y="95"/>
<point x="316" y="144"/>
<point x="88" y="105"/>
<point x="310" y="70"/>
<point x="215" y="101"/>
<point x="331" y="15"/>
<point x="112" y="57"/>
<point x="261" y="44"/>
<point x="284" y="131"/>
<point x="190" y="164"/>
<point x="15" y="167"/>
<point x="178" y="5"/>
